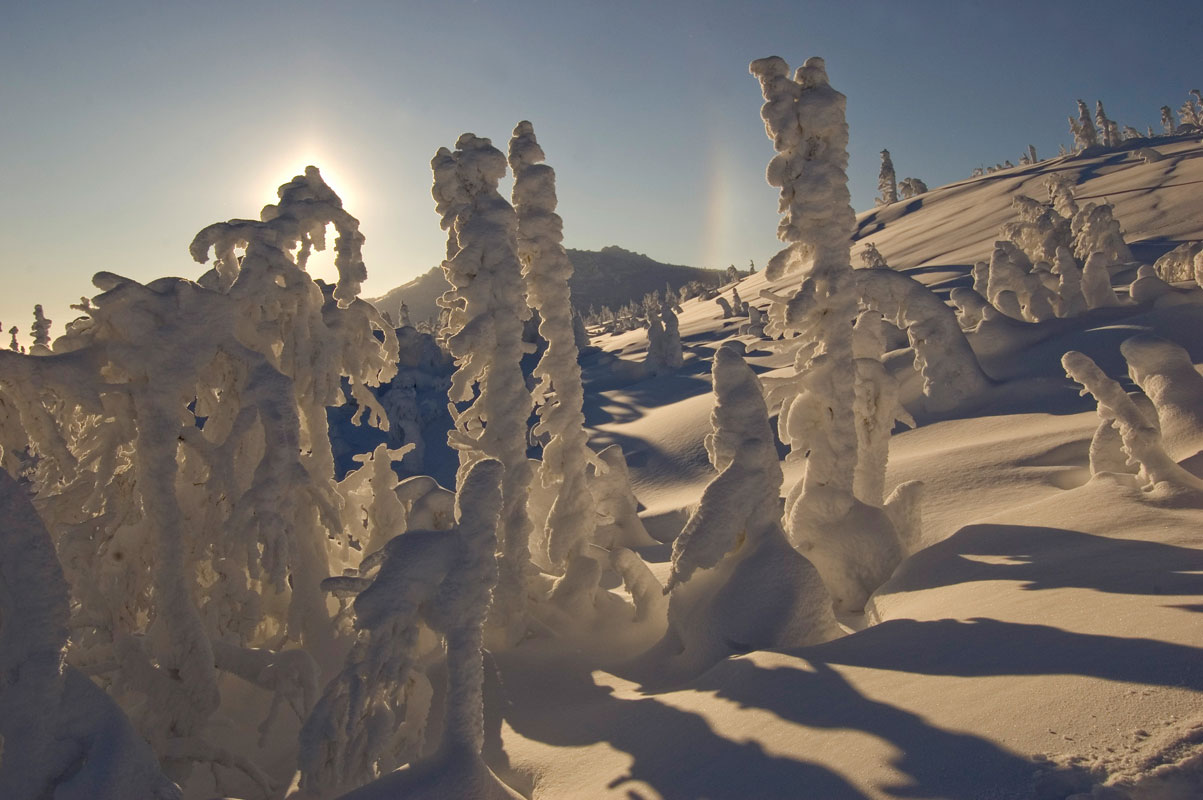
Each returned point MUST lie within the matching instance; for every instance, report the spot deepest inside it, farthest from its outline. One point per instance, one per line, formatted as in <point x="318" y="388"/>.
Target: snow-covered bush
<point x="735" y="580"/>
<point x="887" y="187"/>
<point x="487" y="307"/>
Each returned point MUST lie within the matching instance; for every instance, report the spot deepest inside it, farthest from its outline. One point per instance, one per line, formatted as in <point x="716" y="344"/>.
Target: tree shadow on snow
<point x="1053" y="558"/>
<point x="675" y="752"/>
<point x="938" y="762"/>
<point x="987" y="647"/>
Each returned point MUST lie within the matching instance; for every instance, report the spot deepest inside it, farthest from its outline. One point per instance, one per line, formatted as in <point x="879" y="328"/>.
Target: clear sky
<point x="127" y="127"/>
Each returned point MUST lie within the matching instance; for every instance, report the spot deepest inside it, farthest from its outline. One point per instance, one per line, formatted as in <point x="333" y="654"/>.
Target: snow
<point x="998" y="599"/>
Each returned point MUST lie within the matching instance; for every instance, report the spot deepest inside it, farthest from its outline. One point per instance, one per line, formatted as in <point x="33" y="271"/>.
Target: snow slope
<point x="1044" y="643"/>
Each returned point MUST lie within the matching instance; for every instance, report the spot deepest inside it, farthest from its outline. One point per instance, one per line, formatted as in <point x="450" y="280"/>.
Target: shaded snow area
<point x="931" y="528"/>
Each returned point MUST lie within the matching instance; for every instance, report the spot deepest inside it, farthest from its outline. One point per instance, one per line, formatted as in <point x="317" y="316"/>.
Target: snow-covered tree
<point x="40" y="332"/>
<point x="486" y="310"/>
<point x="1167" y="121"/>
<point x="1106" y="127"/>
<point x="1083" y="130"/>
<point x="1178" y="264"/>
<point x="854" y="545"/>
<point x="185" y="469"/>
<point x="1141" y="440"/>
<point x="911" y="187"/>
<point x="558" y="394"/>
<point x="735" y="578"/>
<point x="871" y="257"/>
<point x="887" y="187"/>
<point x="372" y="716"/>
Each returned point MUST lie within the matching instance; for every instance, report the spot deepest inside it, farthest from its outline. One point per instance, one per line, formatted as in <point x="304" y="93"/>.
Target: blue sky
<point x="126" y="128"/>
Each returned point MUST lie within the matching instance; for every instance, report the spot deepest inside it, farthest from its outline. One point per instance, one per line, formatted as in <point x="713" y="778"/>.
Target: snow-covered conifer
<point x="1096" y="282"/>
<point x="620" y="524"/>
<point x="1096" y="230"/>
<point x="1106" y="127"/>
<point x="40" y="332"/>
<point x="1070" y="302"/>
<point x="487" y="307"/>
<point x="1167" y="120"/>
<point x="558" y="394"/>
<point x="1085" y="134"/>
<point x="871" y="257"/>
<point x="887" y="186"/>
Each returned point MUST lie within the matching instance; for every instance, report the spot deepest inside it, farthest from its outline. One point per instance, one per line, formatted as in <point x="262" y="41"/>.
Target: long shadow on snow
<point x="987" y="647"/>
<point x="675" y="752"/>
<point x="1053" y="558"/>
<point x="940" y="763"/>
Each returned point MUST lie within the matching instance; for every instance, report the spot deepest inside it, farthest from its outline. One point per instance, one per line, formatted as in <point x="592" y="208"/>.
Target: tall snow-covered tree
<point x="486" y="308"/>
<point x="854" y="545"/>
<point x="887" y="188"/>
<point x="558" y="395"/>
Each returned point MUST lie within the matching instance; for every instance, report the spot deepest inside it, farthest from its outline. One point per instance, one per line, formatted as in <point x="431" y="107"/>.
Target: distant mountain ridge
<point x="611" y="277"/>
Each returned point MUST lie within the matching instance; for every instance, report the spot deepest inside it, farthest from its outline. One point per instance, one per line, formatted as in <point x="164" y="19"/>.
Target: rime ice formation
<point x="62" y="736"/>
<point x="372" y="715"/>
<point x="486" y="308"/>
<point x="735" y="580"/>
<point x="558" y="395"/>
<point x="664" y="353"/>
<point x="1166" y="374"/>
<point x="1095" y="230"/>
<point x="887" y="187"/>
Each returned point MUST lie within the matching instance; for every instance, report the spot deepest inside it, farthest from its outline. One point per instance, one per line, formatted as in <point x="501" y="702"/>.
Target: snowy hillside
<point x="925" y="530"/>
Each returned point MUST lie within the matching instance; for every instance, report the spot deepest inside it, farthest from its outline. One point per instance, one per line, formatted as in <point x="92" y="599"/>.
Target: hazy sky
<point x="127" y="127"/>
